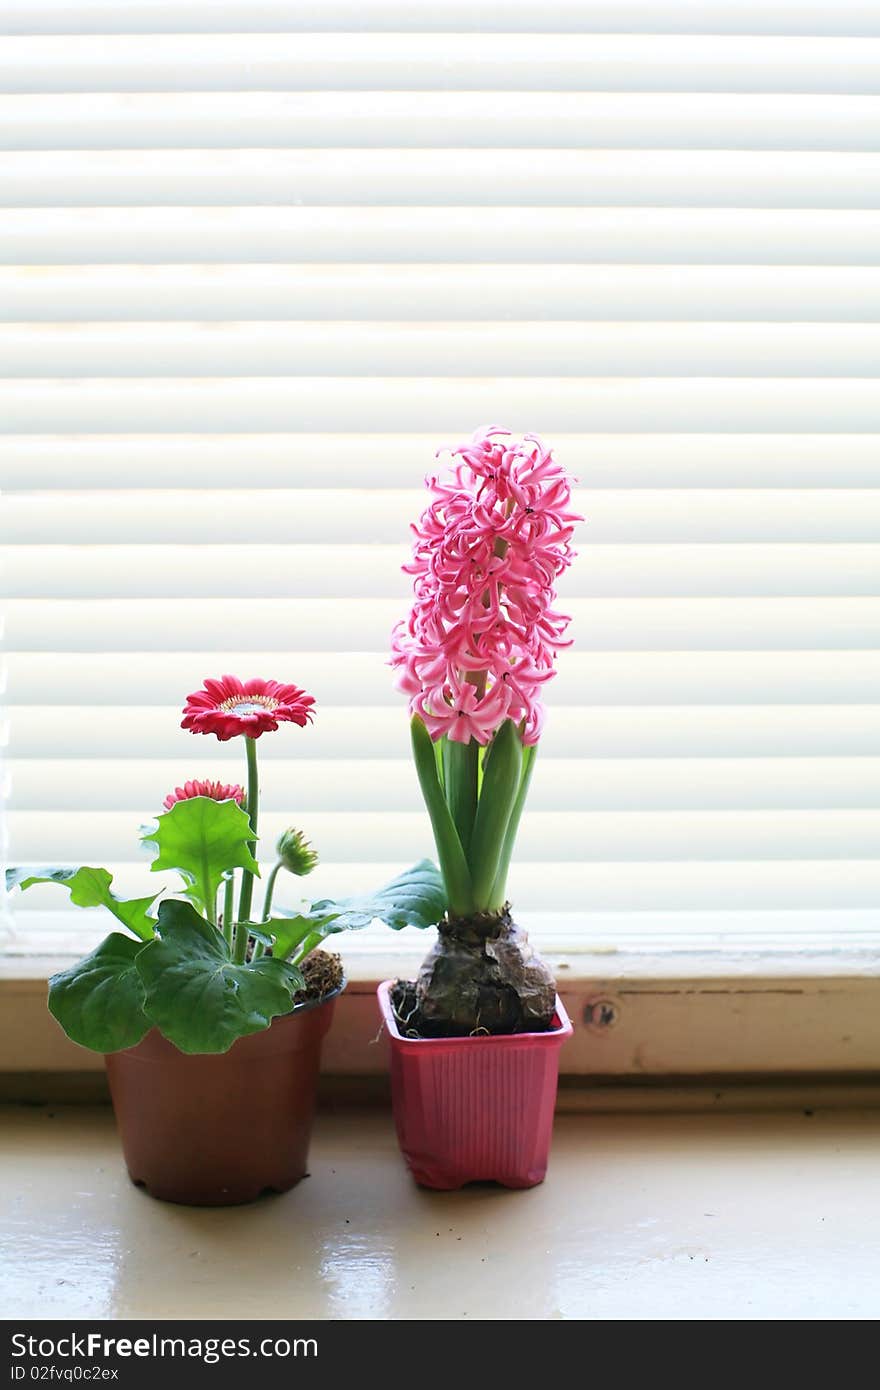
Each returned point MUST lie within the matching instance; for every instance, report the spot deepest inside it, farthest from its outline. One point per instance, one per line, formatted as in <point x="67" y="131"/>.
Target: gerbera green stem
<point x="247" y="878"/>
<point x="270" y="891"/>
<point x="259" y="947"/>
<point x="229" y="909"/>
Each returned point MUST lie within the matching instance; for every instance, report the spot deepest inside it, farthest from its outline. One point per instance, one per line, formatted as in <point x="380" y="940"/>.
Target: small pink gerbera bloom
<point x="228" y="706"/>
<point x="217" y="791"/>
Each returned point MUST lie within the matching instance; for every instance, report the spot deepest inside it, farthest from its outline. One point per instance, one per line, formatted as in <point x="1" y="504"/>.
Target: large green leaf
<point x="499" y="887"/>
<point x="453" y="863"/>
<point x="197" y="996"/>
<point x="202" y="839"/>
<point x="99" y="1001"/>
<point x="461" y="764"/>
<point x="416" y="898"/>
<point x="91" y="888"/>
<point x="291" y="933"/>
<point x="502" y="772"/>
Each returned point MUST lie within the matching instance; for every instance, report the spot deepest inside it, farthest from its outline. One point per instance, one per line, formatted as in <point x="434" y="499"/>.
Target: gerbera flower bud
<point x="217" y="791"/>
<point x="296" y="854"/>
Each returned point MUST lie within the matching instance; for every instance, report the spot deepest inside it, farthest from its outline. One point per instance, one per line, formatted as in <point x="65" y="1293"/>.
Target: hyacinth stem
<point x="229" y="909"/>
<point x="247" y="877"/>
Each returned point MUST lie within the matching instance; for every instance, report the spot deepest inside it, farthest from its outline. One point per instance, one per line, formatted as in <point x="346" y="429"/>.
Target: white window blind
<point x="259" y="259"/>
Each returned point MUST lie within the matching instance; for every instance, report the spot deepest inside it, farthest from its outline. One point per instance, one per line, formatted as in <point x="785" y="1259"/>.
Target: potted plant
<point x="475" y="1038"/>
<point x="211" y="1011"/>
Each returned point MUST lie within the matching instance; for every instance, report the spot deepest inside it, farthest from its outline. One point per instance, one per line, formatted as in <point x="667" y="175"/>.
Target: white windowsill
<point x="642" y="1216"/>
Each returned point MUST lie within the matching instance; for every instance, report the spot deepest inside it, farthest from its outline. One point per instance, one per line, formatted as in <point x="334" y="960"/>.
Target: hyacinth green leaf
<point x="453" y="862"/>
<point x="203" y="839"/>
<point x="416" y="898"/>
<point x="90" y="887"/>
<point x="502" y="771"/>
<point x="499" y="888"/>
<point x="199" y="998"/>
<point x="461" y="763"/>
<point x="99" y="1002"/>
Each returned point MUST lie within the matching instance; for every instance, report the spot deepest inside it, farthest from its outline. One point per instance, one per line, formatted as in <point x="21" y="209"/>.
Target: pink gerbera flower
<point x="228" y="706"/>
<point x="217" y="791"/>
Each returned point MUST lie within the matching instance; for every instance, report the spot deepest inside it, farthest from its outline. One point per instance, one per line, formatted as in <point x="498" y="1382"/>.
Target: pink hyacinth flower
<point x="482" y="636"/>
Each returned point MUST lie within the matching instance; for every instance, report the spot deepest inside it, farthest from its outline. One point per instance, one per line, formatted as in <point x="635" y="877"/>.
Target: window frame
<point x="658" y="1018"/>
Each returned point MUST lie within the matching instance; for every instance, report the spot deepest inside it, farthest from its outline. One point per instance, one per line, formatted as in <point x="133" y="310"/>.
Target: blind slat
<point x="709" y="624"/>
<point x="514" y="348"/>
<point x="524" y="119"/>
<point x="444" y="62"/>
<point x="606" y="464"/>
<point x="747" y="676"/>
<point x="442" y="178"/>
<point x="847" y="17"/>
<point x="750" y="404"/>
<point x="319" y="518"/>
<point x="545" y="886"/>
<point x="573" y="785"/>
<point x="102" y="731"/>
<point x="325" y="571"/>
<point x="546" y="235"/>
<point x="580" y="837"/>
<point x="639" y="293"/>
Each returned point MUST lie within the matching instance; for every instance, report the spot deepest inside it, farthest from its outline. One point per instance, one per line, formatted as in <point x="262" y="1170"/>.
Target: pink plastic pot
<point x="474" y="1109"/>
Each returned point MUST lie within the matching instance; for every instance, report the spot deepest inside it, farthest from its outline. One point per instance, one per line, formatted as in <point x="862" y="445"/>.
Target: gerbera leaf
<point x="91" y="888"/>
<point x="203" y="839"/>
<point x="197" y="996"/>
<point x="289" y="934"/>
<point x="416" y="898"/>
<point x="99" y="1001"/>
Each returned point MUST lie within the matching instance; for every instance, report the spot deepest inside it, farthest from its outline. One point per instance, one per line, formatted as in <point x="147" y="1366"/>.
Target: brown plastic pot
<point x="218" y="1129"/>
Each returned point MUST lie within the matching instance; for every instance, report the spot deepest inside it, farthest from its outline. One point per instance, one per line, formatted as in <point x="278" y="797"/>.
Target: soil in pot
<point x="322" y="971"/>
<point x="220" y="1129"/>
